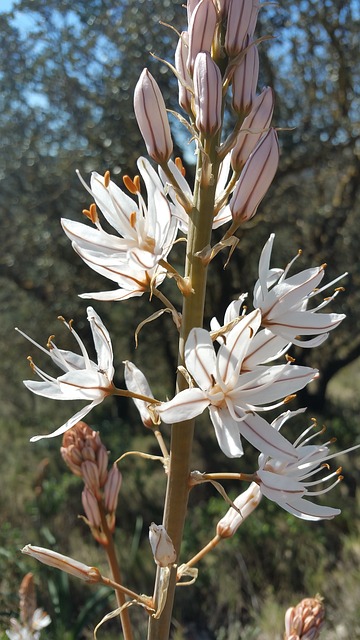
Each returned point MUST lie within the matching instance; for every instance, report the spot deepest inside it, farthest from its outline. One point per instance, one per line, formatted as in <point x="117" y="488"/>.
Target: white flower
<point x="30" y="631"/>
<point x="83" y="379"/>
<point x="283" y="301"/>
<point x="222" y="216"/>
<point x="146" y="235"/>
<point x="288" y="484"/>
<point x="233" y="397"/>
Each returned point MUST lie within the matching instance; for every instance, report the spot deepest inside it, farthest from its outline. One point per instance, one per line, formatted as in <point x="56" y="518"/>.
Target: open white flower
<point x="83" y="379"/>
<point x="288" y="484"/>
<point x="233" y="397"/>
<point x="146" y="235"/>
<point x="283" y="301"/>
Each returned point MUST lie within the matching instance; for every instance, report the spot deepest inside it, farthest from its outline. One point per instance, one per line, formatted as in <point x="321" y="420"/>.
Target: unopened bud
<point x="201" y="30"/>
<point x="190" y="8"/>
<point x="246" y="502"/>
<point x="91" y="508"/>
<point x="253" y="128"/>
<point x="135" y="381"/>
<point x="304" y="622"/>
<point x="151" y="116"/>
<point x="81" y="444"/>
<point x="111" y="489"/>
<point x="91" y="477"/>
<point x="208" y="94"/>
<point x="64" y="563"/>
<point x="244" y="81"/>
<point x="181" y="55"/>
<point x="239" y="15"/>
<point x="161" y="545"/>
<point x="27" y="597"/>
<point x="256" y="178"/>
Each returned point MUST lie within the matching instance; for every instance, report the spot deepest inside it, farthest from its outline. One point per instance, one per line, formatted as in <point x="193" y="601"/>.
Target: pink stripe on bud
<point x="240" y="13"/>
<point x="208" y="94"/>
<point x="91" y="507"/>
<point x="90" y="474"/>
<point x="256" y="178"/>
<point x="181" y="54"/>
<point x="201" y="30"/>
<point x="64" y="563"/>
<point x="253" y="128"/>
<point x="151" y="116"/>
<point x="244" y="81"/>
<point x="111" y="489"/>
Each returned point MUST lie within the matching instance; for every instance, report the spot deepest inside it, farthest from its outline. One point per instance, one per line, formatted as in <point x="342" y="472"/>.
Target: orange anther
<point x="107" y="178"/>
<point x="131" y="184"/>
<point x="180" y="166"/>
<point x="132" y="219"/>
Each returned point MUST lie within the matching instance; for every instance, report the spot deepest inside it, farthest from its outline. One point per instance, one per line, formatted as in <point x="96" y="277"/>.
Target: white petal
<point x="102" y="343"/>
<point x="200" y="357"/>
<point x="306" y="510"/>
<point x="93" y="239"/>
<point x="227" y="432"/>
<point x="70" y="423"/>
<point x="115" y="205"/>
<point x="232" y="352"/>
<point x="184" y="406"/>
<point x="264" y="347"/>
<point x="270" y="384"/>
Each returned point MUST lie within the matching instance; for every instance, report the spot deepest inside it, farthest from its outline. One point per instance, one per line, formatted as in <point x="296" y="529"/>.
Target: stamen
<point x="180" y="166"/>
<point x="289" y="398"/>
<point x="132" y="219"/>
<point x="289" y="358"/>
<point x="107" y="179"/>
<point x="132" y="185"/>
<point x="49" y="343"/>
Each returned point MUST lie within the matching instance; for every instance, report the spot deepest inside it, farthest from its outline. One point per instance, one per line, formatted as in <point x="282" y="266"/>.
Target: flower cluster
<point x="32" y="619"/>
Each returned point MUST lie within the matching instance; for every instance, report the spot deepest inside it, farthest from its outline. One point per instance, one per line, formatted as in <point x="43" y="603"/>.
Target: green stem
<point x="199" y="236"/>
<point x="115" y="574"/>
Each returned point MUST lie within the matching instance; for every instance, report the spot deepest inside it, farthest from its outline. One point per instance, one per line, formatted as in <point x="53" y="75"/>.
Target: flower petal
<point x="200" y="357"/>
<point x="184" y="406"/>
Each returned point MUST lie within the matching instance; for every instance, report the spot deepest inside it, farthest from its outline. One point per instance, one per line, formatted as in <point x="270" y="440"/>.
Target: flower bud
<point x="91" y="507"/>
<point x="244" y="81"/>
<point x="135" y="381"/>
<point x="304" y="622"/>
<point x="151" y="116"/>
<point x="255" y="179"/>
<point x="181" y="54"/>
<point x="253" y="128"/>
<point x="239" y="15"/>
<point x="81" y="444"/>
<point x="64" y="563"/>
<point x="201" y="30"/>
<point x="112" y="488"/>
<point x="27" y="597"/>
<point x="208" y="94"/>
<point x="246" y="502"/>
<point x="161" y="545"/>
<point x="190" y="8"/>
<point x="91" y="477"/>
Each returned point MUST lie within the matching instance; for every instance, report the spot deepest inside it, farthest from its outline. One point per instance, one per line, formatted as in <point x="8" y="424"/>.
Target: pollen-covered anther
<point x="289" y="398"/>
<point x="106" y="179"/>
<point x="132" y="219"/>
<point x="323" y="266"/>
<point x="132" y="185"/>
<point x="289" y="358"/>
<point x="340" y="289"/>
<point x="180" y="166"/>
<point x="50" y="341"/>
<point x="31" y="363"/>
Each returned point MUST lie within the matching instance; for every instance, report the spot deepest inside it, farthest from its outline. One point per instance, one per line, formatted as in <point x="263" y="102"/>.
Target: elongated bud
<point x="161" y="545"/>
<point x="239" y="15"/>
<point x="91" y="477"/>
<point x="190" y="8"/>
<point x="201" y="30"/>
<point x="151" y="116"/>
<point x="255" y="179"/>
<point x="112" y="488"/>
<point x="27" y="596"/>
<point x="246" y="502"/>
<point x="253" y="128"/>
<point x="208" y="94"/>
<point x="136" y="382"/>
<point x="244" y="81"/>
<point x="64" y="563"/>
<point x="91" y="508"/>
<point x="305" y="621"/>
<point x="181" y="55"/>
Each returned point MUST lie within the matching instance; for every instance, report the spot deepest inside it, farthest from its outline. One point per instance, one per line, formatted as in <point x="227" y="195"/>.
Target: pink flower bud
<point x="305" y="621"/>
<point x="255" y="178"/>
<point x="246" y="502"/>
<point x="201" y="30"/>
<point x="91" y="507"/>
<point x="181" y="54"/>
<point x="161" y="545"/>
<point x="244" y="81"/>
<point x="253" y="128"/>
<point x="239" y="15"/>
<point x="111" y="489"/>
<point x="151" y="116"/>
<point x="190" y="8"/>
<point x="208" y="94"/>
<point x="64" y="563"/>
<point x="102" y="460"/>
<point x="90" y="474"/>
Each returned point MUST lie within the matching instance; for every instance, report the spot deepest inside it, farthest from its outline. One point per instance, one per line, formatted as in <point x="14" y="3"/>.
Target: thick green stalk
<point x="199" y="236"/>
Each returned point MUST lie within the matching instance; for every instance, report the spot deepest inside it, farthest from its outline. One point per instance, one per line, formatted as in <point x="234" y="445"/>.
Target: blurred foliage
<point x="67" y="74"/>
